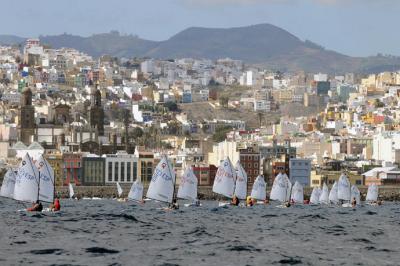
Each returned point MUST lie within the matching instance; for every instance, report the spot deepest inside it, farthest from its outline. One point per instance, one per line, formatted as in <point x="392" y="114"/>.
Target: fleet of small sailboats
<point x="188" y="186"/>
<point x="162" y="185"/>
<point x="119" y="190"/>
<point x="7" y="188"/>
<point x="136" y="191"/>
<point x="297" y="193"/>
<point x="71" y="191"/>
<point x="315" y="195"/>
<point x="281" y="188"/>
<point x="324" y="197"/>
<point x="35" y="181"/>
<point x="241" y="182"/>
<point x="372" y="193"/>
<point x="259" y="190"/>
<point x="333" y="194"/>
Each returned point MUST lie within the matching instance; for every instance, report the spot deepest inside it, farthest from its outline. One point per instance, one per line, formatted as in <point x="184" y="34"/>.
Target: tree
<point x="260" y="116"/>
<point x="220" y="133"/>
<point x="223" y="101"/>
<point x="378" y="103"/>
<point x="172" y="106"/>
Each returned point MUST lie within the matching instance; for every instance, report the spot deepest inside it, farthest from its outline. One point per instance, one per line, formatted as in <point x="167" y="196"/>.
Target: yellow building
<point x="146" y="164"/>
<point x="56" y="162"/>
<point x="317" y="179"/>
<point x="369" y="82"/>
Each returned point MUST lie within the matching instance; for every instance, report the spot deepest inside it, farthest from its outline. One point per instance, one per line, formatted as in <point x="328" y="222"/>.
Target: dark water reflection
<point x="108" y="232"/>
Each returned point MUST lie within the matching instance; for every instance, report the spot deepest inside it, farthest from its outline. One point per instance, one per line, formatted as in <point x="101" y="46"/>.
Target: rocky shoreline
<point x="386" y="193"/>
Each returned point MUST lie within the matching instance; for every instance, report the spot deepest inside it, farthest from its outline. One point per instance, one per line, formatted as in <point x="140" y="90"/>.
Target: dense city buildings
<point x="104" y="120"/>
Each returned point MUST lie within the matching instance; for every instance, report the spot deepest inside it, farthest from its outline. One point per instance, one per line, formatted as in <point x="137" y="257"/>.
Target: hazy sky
<point x="354" y="27"/>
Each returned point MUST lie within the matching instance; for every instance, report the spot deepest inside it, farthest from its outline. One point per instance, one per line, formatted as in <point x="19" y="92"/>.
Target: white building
<point x="121" y="167"/>
<point x="386" y="147"/>
<point x="321" y="77"/>
<point x="262" y="105"/>
<point x="300" y="171"/>
<point x="249" y="78"/>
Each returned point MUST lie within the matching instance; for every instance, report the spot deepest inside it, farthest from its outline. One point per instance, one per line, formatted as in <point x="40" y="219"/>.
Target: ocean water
<point x="107" y="232"/>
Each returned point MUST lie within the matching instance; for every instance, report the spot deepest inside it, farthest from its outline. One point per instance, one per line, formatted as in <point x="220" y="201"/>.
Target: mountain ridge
<point x="264" y="45"/>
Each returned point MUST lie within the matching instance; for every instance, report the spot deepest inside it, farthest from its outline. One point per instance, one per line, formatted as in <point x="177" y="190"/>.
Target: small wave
<point x="99" y="250"/>
<point x="269" y="215"/>
<point x="371" y="213"/>
<point x="313" y="216"/>
<point x="362" y="240"/>
<point x="289" y="261"/>
<point x="49" y="251"/>
<point x="377" y="233"/>
<point x="18" y="242"/>
<point x="240" y="248"/>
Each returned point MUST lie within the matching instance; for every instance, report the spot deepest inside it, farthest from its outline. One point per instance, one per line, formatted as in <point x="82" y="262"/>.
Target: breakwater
<point x="387" y="193"/>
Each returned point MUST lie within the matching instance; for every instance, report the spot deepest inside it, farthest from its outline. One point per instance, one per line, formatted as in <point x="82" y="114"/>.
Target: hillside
<point x="264" y="45"/>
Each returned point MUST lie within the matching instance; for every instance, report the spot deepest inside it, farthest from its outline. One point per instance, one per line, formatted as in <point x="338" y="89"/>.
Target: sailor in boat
<point x="174" y="205"/>
<point x="354" y="202"/>
<point x="197" y="203"/>
<point x="287" y="204"/>
<point x="36" y="207"/>
<point x="249" y="201"/>
<point x="55" y="207"/>
<point x="235" y="201"/>
<point x="266" y="201"/>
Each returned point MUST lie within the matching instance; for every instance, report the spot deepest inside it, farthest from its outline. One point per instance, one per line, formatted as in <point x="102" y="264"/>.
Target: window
<point x="116" y="166"/>
<point x="358" y="182"/>
<point x="315" y="182"/>
<point x="128" y="172"/>
<point x="109" y="171"/>
<point x="143" y="170"/>
<point x="149" y="170"/>
<point x="122" y="171"/>
<point x="134" y="170"/>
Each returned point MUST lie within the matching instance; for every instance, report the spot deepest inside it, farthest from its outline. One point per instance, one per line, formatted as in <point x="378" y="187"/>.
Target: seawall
<point x="387" y="193"/>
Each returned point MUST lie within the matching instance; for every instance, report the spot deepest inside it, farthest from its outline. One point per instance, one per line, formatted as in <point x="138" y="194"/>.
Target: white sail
<point x="7" y="188"/>
<point x="280" y="188"/>
<point x="188" y="185"/>
<point x="343" y="188"/>
<point x="324" y="197"/>
<point x="241" y="182"/>
<point x="224" y="182"/>
<point x="297" y="193"/>
<point x="333" y="194"/>
<point x="119" y="190"/>
<point x="162" y="183"/>
<point x="136" y="192"/>
<point x="46" y="190"/>
<point x="27" y="181"/>
<point x="355" y="193"/>
<point x="315" y="194"/>
<point x="71" y="191"/>
<point x="372" y="193"/>
<point x="259" y="190"/>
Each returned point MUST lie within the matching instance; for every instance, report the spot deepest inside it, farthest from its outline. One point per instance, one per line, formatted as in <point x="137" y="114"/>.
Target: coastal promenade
<point x="386" y="193"/>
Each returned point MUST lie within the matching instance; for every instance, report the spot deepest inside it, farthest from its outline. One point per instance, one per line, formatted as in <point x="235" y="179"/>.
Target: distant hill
<point x="11" y="39"/>
<point x="264" y="45"/>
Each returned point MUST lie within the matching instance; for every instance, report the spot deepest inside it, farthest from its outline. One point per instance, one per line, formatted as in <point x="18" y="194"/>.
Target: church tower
<point x="26" y="121"/>
<point x="96" y="112"/>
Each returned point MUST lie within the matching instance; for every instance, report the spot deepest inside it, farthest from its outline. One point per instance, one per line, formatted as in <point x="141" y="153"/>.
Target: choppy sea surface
<point x="108" y="232"/>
